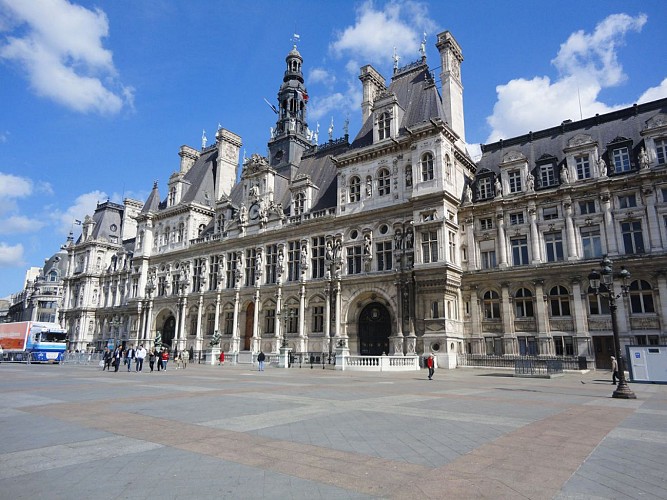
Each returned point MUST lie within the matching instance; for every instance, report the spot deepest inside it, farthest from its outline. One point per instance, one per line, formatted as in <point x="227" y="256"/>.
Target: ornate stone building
<point x="393" y="241"/>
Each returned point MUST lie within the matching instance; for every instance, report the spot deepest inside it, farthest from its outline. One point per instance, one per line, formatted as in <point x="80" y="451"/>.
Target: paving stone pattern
<point x="76" y="432"/>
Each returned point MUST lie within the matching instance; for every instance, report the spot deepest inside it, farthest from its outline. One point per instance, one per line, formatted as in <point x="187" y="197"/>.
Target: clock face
<point x="253" y="212"/>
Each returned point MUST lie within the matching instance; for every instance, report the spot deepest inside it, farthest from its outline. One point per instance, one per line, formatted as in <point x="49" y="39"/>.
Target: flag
<point x="77" y="222"/>
<point x="271" y="106"/>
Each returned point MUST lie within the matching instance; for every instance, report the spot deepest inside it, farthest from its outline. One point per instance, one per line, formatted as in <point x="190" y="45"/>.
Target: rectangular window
<point x="564" y="346"/>
<point x="554" y="246"/>
<point x="229" y="322"/>
<point x="318" y="319"/>
<point x="292" y="320"/>
<point x="633" y="239"/>
<point x="293" y="261"/>
<point x="516" y="218"/>
<point x="269" y="321"/>
<point x="213" y="272"/>
<point x="451" y="242"/>
<point x="550" y="213"/>
<point x="270" y="263"/>
<point x="486" y="223"/>
<point x="514" y="179"/>
<point x="621" y="159"/>
<point x="488" y="259"/>
<point x="318" y="256"/>
<point x="230" y="271"/>
<point x="210" y="323"/>
<point x="250" y="263"/>
<point x="354" y="259"/>
<point x="591" y="243"/>
<point x="519" y="251"/>
<point x="484" y="188"/>
<point x="661" y="151"/>
<point x="587" y="207"/>
<point x="383" y="254"/>
<point x="627" y="201"/>
<point x="547" y="175"/>
<point x="161" y="287"/>
<point x="197" y="266"/>
<point x="175" y="278"/>
<point x="583" y="167"/>
<point x="429" y="246"/>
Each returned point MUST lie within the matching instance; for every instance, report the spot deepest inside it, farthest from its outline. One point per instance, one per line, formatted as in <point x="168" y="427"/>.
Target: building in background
<point x="390" y="242"/>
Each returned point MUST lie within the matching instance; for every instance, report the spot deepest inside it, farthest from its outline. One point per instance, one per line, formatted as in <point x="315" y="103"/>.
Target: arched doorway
<point x="168" y="331"/>
<point x="374" y="330"/>
<point x="249" y="324"/>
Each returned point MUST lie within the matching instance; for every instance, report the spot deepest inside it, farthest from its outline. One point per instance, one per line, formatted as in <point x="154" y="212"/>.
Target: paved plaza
<point x="76" y="432"/>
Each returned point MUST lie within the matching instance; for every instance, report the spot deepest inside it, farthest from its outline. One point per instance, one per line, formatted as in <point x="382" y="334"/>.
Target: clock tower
<point x="290" y="136"/>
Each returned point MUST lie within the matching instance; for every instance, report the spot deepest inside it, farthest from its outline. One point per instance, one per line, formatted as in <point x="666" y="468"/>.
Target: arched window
<point x="167" y="235"/>
<point x="53" y="276"/>
<point x="491" y="303"/>
<point x="172" y="195"/>
<point x="299" y="203"/>
<point x="597" y="303"/>
<point x="641" y="297"/>
<point x="384" y="126"/>
<point x="559" y="300"/>
<point x="523" y="303"/>
<point x="427" y="167"/>
<point x="384" y="182"/>
<point x="355" y="189"/>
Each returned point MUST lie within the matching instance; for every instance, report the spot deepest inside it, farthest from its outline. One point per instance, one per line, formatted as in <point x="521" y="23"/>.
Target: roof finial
<point x="203" y="139"/>
<point x="296" y="38"/>
<point x="395" y="58"/>
<point x="331" y="130"/>
<point x="422" y="47"/>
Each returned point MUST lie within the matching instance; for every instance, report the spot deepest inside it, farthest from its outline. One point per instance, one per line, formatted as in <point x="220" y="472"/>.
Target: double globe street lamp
<point x="602" y="283"/>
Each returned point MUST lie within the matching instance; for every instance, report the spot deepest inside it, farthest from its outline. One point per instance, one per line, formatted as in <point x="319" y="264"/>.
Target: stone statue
<point x="408" y="239"/>
<point x="602" y="167"/>
<point x="530" y="182"/>
<point x="408" y="176"/>
<point x="215" y="339"/>
<point x="243" y="214"/>
<point x="499" y="188"/>
<point x="367" y="244"/>
<point x="369" y="187"/>
<point x="468" y="195"/>
<point x="564" y="175"/>
<point x="331" y="130"/>
<point x="643" y="158"/>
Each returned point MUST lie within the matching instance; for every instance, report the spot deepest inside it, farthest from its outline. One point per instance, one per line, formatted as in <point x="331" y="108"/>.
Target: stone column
<point x="327" y="319"/>
<point x="653" y="224"/>
<point x="472" y="247"/>
<point x="542" y="320"/>
<point x="279" y="322"/>
<point x="502" y="246"/>
<point x="476" y="323"/>
<point x="302" y="317"/>
<point x="255" y="347"/>
<point x="509" y="338"/>
<point x="534" y="236"/>
<point x="569" y="230"/>
<point x="581" y="336"/>
<point x="609" y="229"/>
<point x="235" y="328"/>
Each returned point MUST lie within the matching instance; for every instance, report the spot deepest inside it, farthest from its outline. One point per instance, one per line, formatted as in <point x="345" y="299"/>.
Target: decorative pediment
<point x="579" y="140"/>
<point x="513" y="156"/>
<point x="255" y="163"/>
<point x="659" y="120"/>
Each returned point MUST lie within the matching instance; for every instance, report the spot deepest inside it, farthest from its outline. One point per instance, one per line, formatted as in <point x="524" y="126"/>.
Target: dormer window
<point x="172" y="196"/>
<point x="547" y="175"/>
<point x="299" y="203"/>
<point x="484" y="188"/>
<point x="355" y="189"/>
<point x="621" y="159"/>
<point x="514" y="180"/>
<point x="661" y="150"/>
<point x="427" y="167"/>
<point x="384" y="126"/>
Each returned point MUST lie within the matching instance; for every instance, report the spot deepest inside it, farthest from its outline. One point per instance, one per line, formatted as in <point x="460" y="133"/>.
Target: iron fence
<point x="510" y="361"/>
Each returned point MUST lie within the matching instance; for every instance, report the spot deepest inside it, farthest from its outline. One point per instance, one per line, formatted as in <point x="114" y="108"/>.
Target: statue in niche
<point x="468" y="195"/>
<point x="499" y="188"/>
<point x="408" y="176"/>
<point x="602" y="167"/>
<point x="409" y="240"/>
<point x="367" y="244"/>
<point x="243" y="214"/>
<point x="564" y="175"/>
<point x="369" y="187"/>
<point x="398" y="240"/>
<point x="643" y="158"/>
<point x="530" y="182"/>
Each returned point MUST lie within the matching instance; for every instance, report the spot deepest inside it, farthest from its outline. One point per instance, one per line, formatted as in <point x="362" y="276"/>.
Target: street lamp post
<point x="602" y="283"/>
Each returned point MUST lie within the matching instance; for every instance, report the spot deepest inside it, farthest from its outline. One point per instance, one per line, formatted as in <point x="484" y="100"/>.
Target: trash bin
<point x="583" y="364"/>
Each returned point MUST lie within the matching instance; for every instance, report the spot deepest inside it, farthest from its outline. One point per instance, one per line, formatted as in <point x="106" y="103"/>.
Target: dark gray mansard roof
<point x="416" y="93"/>
<point x="604" y="129"/>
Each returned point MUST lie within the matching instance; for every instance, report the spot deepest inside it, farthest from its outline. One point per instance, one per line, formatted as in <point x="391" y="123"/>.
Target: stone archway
<point x="169" y="331"/>
<point x="374" y="330"/>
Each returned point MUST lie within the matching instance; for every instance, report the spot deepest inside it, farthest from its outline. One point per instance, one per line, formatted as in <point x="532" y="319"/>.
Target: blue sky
<point x="97" y="97"/>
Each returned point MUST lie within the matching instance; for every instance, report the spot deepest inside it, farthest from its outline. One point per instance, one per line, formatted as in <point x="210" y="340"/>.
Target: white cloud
<point x="11" y="256"/>
<point x="13" y="186"/>
<point x="84" y="204"/>
<point x="587" y="63"/>
<point x="321" y="75"/>
<point x="375" y="32"/>
<point x="62" y="53"/>
<point x="20" y="224"/>
<point x="653" y="93"/>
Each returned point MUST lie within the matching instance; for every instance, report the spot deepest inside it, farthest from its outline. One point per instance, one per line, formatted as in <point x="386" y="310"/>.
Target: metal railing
<point x="509" y="361"/>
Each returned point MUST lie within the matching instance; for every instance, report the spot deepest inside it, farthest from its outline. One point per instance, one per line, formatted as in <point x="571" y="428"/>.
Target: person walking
<point x="165" y="359"/>
<point x="129" y="356"/>
<point x="140" y="356"/>
<point x="107" y="357"/>
<point x="260" y="361"/>
<point x="151" y="358"/>
<point x="185" y="357"/>
<point x="117" y="356"/>
<point x="430" y="362"/>
<point x="614" y="370"/>
<point x="158" y="358"/>
<point x="221" y="358"/>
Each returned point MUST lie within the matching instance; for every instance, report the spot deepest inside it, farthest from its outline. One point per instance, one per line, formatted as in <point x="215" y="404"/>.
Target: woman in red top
<point x="165" y="358"/>
<point x="221" y="359"/>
